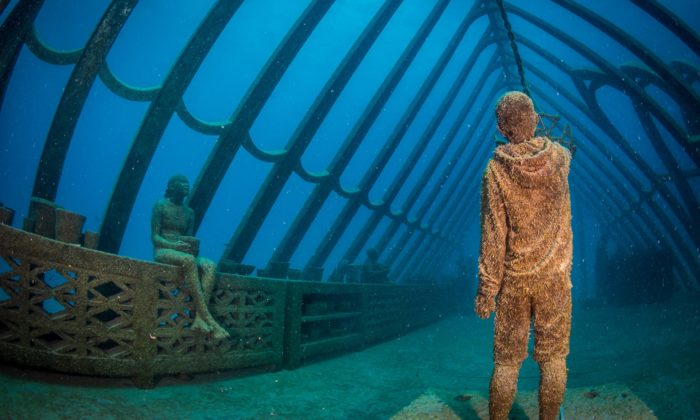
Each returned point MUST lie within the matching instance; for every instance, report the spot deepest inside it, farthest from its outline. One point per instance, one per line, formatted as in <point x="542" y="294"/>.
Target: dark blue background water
<point x="156" y="32"/>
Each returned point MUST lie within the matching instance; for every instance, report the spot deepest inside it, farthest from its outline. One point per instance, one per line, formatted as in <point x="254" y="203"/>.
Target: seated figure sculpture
<point x="373" y="271"/>
<point x="171" y="232"/>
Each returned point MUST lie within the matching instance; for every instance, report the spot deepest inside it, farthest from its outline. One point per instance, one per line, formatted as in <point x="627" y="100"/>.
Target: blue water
<point x="155" y="34"/>
<point x="619" y="188"/>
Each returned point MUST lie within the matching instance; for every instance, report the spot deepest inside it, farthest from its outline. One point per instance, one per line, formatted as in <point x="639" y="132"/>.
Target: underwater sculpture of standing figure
<point x="525" y="256"/>
<point x="171" y="232"/>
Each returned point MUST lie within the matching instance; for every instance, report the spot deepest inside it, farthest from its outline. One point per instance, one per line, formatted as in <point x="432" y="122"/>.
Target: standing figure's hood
<point x="535" y="163"/>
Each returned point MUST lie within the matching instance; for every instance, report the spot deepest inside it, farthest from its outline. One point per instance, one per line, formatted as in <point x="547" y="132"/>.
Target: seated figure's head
<point x="372" y="254"/>
<point x="516" y="117"/>
<point x="178" y="188"/>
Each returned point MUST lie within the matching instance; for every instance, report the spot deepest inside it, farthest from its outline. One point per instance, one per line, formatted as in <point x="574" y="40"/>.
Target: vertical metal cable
<point x="513" y="46"/>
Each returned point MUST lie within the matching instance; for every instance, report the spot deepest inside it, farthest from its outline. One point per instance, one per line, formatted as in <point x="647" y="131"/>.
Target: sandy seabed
<point x="635" y="362"/>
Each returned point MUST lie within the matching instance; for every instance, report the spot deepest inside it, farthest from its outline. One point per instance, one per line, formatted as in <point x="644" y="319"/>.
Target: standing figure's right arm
<point x="493" y="235"/>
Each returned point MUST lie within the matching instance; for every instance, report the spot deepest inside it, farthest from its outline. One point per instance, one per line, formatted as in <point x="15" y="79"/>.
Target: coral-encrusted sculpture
<point x="525" y="256"/>
<point x="171" y="232"/>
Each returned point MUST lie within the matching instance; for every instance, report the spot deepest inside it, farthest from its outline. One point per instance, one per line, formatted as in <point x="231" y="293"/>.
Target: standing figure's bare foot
<point x="200" y="325"/>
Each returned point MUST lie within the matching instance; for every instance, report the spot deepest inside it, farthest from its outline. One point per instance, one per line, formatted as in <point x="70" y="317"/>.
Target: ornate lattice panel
<point x="11" y="300"/>
<point x="63" y="310"/>
<point x="251" y="315"/>
<point x="174" y="315"/>
<point x="83" y="311"/>
<point x="109" y="314"/>
<point x="251" y="311"/>
<point x="69" y="308"/>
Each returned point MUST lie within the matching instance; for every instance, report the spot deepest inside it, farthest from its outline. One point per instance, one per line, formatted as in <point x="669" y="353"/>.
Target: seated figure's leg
<point x="208" y="276"/>
<point x="510" y="349"/>
<point x="552" y="329"/>
<point x="189" y="265"/>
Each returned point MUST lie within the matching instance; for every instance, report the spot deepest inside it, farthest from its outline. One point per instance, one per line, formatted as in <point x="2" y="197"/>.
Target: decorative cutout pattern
<point x="122" y="317"/>
<point x="250" y="316"/>
<point x="57" y="317"/>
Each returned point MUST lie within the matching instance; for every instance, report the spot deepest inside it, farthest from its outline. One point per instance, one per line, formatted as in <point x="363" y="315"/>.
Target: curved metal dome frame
<point x="431" y="238"/>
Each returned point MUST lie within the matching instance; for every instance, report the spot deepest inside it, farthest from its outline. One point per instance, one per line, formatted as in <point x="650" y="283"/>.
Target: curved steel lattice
<point x="441" y="205"/>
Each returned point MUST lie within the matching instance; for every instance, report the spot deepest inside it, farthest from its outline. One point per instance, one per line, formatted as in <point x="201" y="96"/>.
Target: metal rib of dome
<point x="439" y="189"/>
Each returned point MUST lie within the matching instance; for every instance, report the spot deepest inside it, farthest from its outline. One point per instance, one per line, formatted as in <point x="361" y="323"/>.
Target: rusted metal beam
<point x="455" y="194"/>
<point x="615" y="76"/>
<point x="349" y="147"/>
<point x="672" y="238"/>
<point x="347" y="213"/>
<point x="230" y="141"/>
<point x="440" y="186"/>
<point x="592" y="110"/>
<point x="411" y="161"/>
<point x="681" y="182"/>
<point x="164" y="105"/>
<point x="272" y="186"/>
<point x="438" y="157"/>
<point x="13" y="33"/>
<point x="680" y="90"/>
<point x="75" y="93"/>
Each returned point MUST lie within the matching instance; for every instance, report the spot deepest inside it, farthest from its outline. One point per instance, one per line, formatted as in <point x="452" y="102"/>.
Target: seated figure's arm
<point x="159" y="240"/>
<point x="189" y="233"/>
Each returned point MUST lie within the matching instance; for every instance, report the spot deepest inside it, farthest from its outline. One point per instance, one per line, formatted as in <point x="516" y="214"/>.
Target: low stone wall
<point x="77" y="310"/>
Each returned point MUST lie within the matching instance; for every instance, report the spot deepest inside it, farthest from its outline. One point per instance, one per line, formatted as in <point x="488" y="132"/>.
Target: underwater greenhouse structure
<point x="328" y="155"/>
